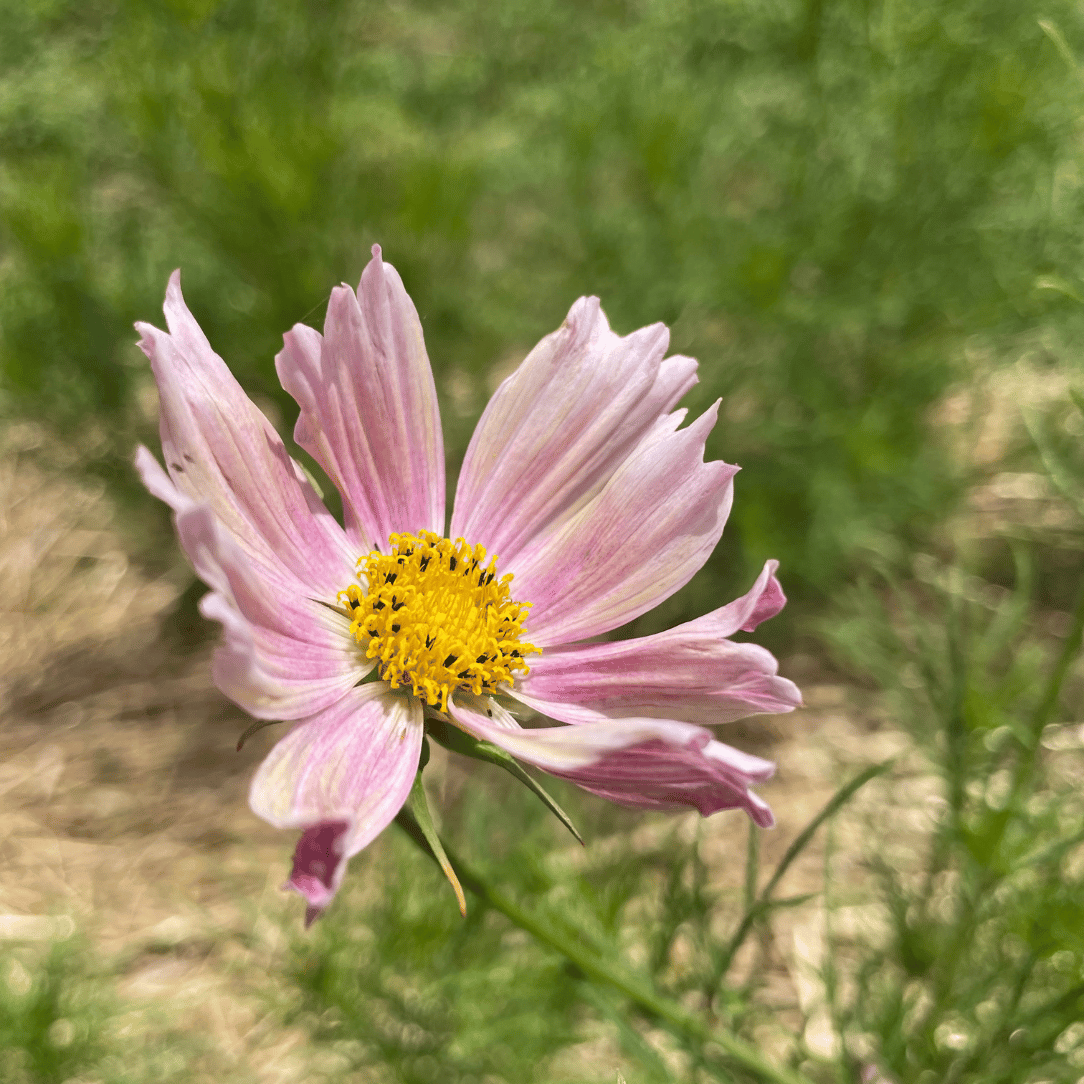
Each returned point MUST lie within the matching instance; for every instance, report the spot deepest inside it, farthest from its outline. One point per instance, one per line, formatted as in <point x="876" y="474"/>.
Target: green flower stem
<point x="636" y="988"/>
<point x="1051" y="695"/>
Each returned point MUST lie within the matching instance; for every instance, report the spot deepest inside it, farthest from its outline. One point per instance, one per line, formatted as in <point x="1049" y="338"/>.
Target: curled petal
<point x="690" y="672"/>
<point x="319" y="866"/>
<point x="282" y="656"/>
<point x="221" y="451"/>
<point x="558" y="427"/>
<point x="651" y="527"/>
<point x="341" y="776"/>
<point x="645" y="763"/>
<point x="369" y="412"/>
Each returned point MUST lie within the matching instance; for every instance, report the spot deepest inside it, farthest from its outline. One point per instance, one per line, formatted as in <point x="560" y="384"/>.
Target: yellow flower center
<point x="436" y="618"/>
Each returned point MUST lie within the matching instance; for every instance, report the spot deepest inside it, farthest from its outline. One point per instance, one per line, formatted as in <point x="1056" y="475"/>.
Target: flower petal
<point x="282" y="656"/>
<point x="220" y="450"/>
<point x="691" y="672"/>
<point x="369" y="412"/>
<point x="645" y="763"/>
<point x="341" y="776"/>
<point x="652" y="526"/>
<point x="560" y="425"/>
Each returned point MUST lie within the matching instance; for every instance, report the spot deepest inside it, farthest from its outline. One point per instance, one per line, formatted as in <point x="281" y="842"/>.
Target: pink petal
<point x="341" y="776"/>
<point x="652" y="526"/>
<point x="220" y="450"/>
<point x="646" y="763"/>
<point x="369" y="412"/>
<point x="690" y="672"/>
<point x="282" y="656"/>
<point x="657" y="776"/>
<point x="559" y="427"/>
<point x="319" y="865"/>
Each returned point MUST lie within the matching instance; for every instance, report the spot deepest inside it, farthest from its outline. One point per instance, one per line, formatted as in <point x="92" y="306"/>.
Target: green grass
<point x="828" y="203"/>
<point x="51" y="1013"/>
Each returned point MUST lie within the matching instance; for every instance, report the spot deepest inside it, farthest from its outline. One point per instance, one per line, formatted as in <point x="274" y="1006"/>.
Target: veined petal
<point x="282" y="656"/>
<point x="664" y="777"/>
<point x="369" y="412"/>
<point x="645" y="763"/>
<point x="220" y="450"/>
<point x="341" y="776"/>
<point x="690" y="672"/>
<point x="560" y="425"/>
<point x="652" y="526"/>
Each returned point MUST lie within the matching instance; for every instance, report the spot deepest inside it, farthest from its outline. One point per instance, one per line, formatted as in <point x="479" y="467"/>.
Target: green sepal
<point x="417" y="821"/>
<point x="458" y="741"/>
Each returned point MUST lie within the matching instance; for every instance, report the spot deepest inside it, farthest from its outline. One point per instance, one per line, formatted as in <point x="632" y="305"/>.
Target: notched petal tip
<point x="319" y="864"/>
<point x="375" y="276"/>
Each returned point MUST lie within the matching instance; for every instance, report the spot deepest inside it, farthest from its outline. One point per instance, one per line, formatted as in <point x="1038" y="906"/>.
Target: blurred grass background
<point x="856" y="214"/>
<point x="834" y="205"/>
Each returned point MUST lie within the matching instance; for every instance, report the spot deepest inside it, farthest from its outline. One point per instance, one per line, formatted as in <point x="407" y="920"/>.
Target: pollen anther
<point x="432" y="604"/>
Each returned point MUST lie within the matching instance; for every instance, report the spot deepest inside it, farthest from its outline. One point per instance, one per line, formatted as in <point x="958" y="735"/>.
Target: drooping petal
<point x="652" y="526"/>
<point x="664" y="777"/>
<point x="369" y="412"/>
<point x="221" y="451"/>
<point x="341" y="776"/>
<point x="282" y="656"/>
<point x="560" y="425"/>
<point x="646" y="763"/>
<point x="690" y="672"/>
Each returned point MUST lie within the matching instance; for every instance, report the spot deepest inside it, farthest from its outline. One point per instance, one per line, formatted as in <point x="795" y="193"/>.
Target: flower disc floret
<point x="437" y="618"/>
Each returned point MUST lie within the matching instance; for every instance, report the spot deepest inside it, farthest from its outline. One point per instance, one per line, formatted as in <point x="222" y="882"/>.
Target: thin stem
<point x="1049" y="703"/>
<point x="636" y="988"/>
<point x="835" y="803"/>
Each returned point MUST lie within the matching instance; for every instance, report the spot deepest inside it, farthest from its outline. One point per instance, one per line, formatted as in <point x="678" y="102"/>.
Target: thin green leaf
<point x="417" y="821"/>
<point x="451" y="737"/>
<point x="752" y="865"/>
<point x="787" y="901"/>
<point x="253" y="729"/>
<point x="1054" y="33"/>
<point x="1055" y="469"/>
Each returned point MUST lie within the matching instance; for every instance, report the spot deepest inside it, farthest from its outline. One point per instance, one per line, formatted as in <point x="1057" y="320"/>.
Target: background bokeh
<point x="865" y="218"/>
<point x="837" y="208"/>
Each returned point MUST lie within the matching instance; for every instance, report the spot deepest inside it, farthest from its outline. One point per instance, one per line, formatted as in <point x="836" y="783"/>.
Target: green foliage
<point x="51" y="1012"/>
<point x="825" y="201"/>
<point x="982" y="978"/>
<point x="408" y="987"/>
<point x="394" y="981"/>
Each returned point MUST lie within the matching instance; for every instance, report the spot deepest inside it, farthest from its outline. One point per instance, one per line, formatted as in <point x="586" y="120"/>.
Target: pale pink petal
<point x="369" y="412"/>
<point x="690" y="672"/>
<point x="652" y="526"/>
<point x="647" y="763"/>
<point x="341" y="776"/>
<point x="282" y="656"/>
<point x="221" y="451"/>
<point x="560" y="425"/>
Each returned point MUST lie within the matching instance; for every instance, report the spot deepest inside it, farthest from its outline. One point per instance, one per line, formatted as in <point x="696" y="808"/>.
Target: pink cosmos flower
<point x="580" y="506"/>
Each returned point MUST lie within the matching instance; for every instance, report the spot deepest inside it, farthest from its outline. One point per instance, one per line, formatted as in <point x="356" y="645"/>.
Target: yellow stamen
<point x="437" y="618"/>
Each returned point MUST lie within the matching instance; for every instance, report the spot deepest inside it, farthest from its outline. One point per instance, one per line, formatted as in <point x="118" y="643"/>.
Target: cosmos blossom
<point x="581" y="504"/>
